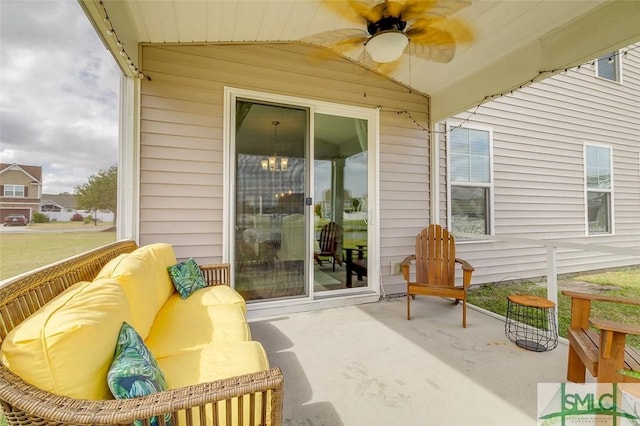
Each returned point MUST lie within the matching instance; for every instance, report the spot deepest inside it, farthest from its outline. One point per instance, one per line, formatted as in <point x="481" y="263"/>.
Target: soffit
<point x="515" y="40"/>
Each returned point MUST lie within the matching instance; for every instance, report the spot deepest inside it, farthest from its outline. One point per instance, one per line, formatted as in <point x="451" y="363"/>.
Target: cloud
<point x="59" y="90"/>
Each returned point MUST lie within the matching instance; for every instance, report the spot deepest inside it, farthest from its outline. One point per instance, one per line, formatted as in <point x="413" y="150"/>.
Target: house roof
<point x="35" y="172"/>
<point x="516" y="41"/>
<point x="63" y="200"/>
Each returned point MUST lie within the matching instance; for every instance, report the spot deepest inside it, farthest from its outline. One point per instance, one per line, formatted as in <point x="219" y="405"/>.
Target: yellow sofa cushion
<point x="146" y="282"/>
<point x="67" y="346"/>
<point x="178" y="330"/>
<point x="208" y="296"/>
<point x="109" y="267"/>
<point x="215" y="362"/>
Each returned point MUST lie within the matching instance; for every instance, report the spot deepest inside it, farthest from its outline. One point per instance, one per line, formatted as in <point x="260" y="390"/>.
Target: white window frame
<point x="610" y="191"/>
<point x="450" y="126"/>
<point x="10" y="191"/>
<point x="617" y="59"/>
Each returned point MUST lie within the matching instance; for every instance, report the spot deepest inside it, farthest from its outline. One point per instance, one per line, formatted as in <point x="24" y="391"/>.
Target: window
<point x="49" y="207"/>
<point x="599" y="189"/>
<point x="608" y="66"/>
<point x="14" y="191"/>
<point x="471" y="180"/>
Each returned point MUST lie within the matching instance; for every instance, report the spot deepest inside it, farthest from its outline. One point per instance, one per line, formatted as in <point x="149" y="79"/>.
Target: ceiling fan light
<point x="387" y="46"/>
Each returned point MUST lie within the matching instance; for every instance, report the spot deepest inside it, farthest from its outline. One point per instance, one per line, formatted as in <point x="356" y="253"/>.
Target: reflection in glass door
<point x="341" y="196"/>
<point x="270" y="183"/>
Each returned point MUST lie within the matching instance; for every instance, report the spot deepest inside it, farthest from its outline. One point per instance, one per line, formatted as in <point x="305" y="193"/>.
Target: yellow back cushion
<point x="108" y="268"/>
<point x="67" y="346"/>
<point x="146" y="282"/>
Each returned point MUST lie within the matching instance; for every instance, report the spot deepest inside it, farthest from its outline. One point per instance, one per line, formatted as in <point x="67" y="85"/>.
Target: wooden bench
<point x="603" y="353"/>
<point x="357" y="265"/>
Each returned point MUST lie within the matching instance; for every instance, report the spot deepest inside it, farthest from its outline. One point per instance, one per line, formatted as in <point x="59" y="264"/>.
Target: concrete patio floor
<point x="368" y="365"/>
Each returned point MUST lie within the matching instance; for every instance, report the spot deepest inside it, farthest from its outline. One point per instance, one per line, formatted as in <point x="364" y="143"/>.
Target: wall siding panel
<point x="182" y="139"/>
<point x="538" y="138"/>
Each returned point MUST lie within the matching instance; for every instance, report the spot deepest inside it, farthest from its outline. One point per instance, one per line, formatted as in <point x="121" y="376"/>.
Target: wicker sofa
<point x="254" y="398"/>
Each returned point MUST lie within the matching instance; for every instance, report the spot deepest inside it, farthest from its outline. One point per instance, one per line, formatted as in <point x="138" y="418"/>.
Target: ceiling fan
<point x="392" y="25"/>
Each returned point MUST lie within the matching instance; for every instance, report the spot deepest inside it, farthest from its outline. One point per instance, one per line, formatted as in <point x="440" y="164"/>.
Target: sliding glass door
<point x="301" y="201"/>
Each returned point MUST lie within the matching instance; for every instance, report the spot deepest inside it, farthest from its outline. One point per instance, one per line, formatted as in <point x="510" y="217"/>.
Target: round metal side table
<point x="531" y="322"/>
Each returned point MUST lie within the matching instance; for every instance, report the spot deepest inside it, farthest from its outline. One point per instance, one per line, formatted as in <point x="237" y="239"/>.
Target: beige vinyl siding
<point x="182" y="138"/>
<point x="539" y="134"/>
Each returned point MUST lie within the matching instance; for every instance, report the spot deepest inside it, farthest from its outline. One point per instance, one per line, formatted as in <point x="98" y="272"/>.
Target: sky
<point x="59" y="93"/>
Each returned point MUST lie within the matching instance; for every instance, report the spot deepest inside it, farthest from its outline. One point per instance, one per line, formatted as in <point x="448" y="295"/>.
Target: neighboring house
<point x="557" y="160"/>
<point x="20" y="189"/>
<point x="62" y="207"/>
<point x="216" y="132"/>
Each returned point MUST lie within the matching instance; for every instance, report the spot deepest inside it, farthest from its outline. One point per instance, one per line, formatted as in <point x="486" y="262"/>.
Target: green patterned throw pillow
<point x="134" y="371"/>
<point x="187" y="277"/>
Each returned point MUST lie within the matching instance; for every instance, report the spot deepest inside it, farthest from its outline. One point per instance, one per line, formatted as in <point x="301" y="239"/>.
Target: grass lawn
<point x="626" y="283"/>
<point x="23" y="251"/>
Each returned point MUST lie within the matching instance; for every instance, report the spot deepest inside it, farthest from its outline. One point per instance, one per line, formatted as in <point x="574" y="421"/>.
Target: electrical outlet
<point x="396" y="269"/>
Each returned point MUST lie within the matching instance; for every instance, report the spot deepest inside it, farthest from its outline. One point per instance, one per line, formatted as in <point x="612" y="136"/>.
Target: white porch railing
<point x="552" y="246"/>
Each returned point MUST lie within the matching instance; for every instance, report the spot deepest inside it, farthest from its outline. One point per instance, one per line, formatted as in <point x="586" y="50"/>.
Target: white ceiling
<point x="515" y="39"/>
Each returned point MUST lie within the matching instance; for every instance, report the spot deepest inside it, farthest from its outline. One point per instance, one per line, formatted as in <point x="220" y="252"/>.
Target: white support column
<point x="128" y="160"/>
<point x="434" y="173"/>
<point x="552" y="278"/>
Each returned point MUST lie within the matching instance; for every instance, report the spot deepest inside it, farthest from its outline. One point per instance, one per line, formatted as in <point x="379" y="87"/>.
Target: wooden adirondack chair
<point x="435" y="260"/>
<point x="328" y="243"/>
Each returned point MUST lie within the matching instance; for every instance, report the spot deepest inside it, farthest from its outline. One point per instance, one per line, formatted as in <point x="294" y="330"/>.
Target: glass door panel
<point x="270" y="183"/>
<point x="340" y="222"/>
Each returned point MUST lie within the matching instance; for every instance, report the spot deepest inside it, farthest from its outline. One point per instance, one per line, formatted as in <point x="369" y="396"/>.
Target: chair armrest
<point x="600" y="297"/>
<point x="612" y="336"/>
<point x="216" y="274"/>
<point x="467" y="270"/>
<point x="406" y="265"/>
<point x="38" y="404"/>
<point x="466" y="266"/>
<point x="614" y="326"/>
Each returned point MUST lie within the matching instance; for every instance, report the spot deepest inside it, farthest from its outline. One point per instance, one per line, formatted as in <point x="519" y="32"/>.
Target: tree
<point x="99" y="193"/>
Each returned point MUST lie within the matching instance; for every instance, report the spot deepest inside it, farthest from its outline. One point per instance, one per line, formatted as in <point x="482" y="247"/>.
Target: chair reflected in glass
<point x="356" y="262"/>
<point x="328" y="243"/>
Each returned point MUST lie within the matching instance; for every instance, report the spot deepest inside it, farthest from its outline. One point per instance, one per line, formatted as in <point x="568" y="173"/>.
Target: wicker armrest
<point x="216" y="274"/>
<point x="26" y="404"/>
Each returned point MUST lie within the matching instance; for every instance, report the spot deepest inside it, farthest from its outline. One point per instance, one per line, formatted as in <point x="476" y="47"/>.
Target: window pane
<point x="470" y="159"/>
<point x="469" y="210"/>
<point x="479" y="169"/>
<point x="598" y="167"/>
<point x="460" y="141"/>
<point x="608" y="66"/>
<point x="479" y="143"/>
<point x="598" y="212"/>
<point x="460" y="168"/>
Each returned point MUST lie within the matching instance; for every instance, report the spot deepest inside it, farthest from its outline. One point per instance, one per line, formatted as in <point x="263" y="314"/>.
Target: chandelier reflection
<point x="274" y="163"/>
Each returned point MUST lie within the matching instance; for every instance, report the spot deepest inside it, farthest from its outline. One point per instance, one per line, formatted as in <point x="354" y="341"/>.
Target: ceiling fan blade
<point x="460" y="30"/>
<point x="395" y="9"/>
<point x="343" y="9"/>
<point x="363" y="9"/>
<point x="335" y="37"/>
<point x="414" y="9"/>
<point x="422" y="29"/>
<point x="434" y="53"/>
<point x="447" y="7"/>
<point x="433" y="37"/>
